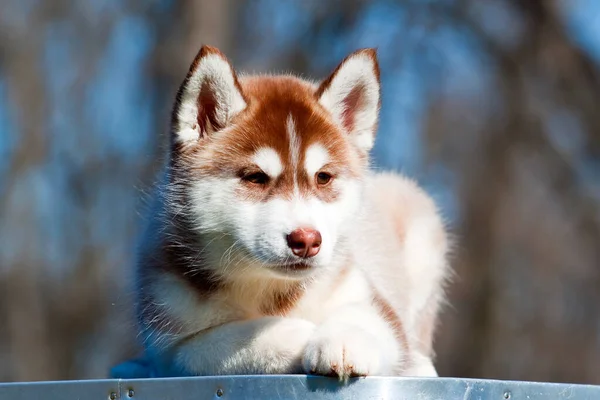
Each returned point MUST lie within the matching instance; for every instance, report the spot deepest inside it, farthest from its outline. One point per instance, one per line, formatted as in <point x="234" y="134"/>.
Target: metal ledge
<point x="295" y="387"/>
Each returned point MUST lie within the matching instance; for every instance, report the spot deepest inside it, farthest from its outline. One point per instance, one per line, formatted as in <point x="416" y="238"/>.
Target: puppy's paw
<point x="287" y="341"/>
<point x="342" y="353"/>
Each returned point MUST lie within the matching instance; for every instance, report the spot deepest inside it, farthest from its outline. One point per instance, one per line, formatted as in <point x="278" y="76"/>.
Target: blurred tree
<point x="68" y="209"/>
<point x="490" y="103"/>
<point x="529" y="221"/>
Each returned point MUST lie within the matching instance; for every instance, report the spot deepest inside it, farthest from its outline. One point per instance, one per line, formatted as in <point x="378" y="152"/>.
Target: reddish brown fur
<point x="282" y="301"/>
<point x="263" y="124"/>
<point x="270" y="101"/>
<point x="392" y="318"/>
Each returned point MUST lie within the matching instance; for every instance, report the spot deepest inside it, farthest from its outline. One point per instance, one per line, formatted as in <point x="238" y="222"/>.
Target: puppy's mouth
<point x="297" y="268"/>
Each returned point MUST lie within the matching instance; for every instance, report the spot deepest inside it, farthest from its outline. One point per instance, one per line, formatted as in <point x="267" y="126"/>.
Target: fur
<point x="252" y="159"/>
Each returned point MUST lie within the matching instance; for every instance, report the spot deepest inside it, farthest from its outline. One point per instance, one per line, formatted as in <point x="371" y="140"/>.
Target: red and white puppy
<point x="272" y="248"/>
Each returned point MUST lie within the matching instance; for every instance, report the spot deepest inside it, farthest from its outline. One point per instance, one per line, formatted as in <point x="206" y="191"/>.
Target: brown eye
<point x="323" y="178"/>
<point x="258" y="178"/>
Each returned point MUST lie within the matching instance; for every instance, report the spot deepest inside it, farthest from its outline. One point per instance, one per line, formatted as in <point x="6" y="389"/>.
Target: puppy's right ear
<point x="209" y="97"/>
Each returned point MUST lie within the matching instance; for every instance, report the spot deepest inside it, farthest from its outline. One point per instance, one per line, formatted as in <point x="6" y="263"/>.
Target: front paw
<point x="282" y="343"/>
<point x="342" y="353"/>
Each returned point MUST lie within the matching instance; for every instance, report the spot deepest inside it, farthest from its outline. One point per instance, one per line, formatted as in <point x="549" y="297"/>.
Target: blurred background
<point x="493" y="105"/>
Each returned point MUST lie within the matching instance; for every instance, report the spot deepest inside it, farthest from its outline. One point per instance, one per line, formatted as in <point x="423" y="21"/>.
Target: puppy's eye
<point x="323" y="178"/>
<point x="258" y="178"/>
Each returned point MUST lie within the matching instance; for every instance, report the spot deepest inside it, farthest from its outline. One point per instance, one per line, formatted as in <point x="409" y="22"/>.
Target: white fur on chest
<point x="325" y="297"/>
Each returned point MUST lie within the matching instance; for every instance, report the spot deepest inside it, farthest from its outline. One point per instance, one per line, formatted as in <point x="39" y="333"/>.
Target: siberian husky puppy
<point x="272" y="248"/>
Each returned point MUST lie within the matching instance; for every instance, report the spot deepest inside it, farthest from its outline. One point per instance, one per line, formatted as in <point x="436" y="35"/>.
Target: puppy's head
<point x="271" y="167"/>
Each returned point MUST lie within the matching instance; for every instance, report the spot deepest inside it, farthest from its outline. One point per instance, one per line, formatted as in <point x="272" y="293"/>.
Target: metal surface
<point x="295" y="387"/>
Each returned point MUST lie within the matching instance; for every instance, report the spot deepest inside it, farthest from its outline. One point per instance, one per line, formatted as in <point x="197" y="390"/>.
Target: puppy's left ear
<point x="208" y="99"/>
<point x="352" y="95"/>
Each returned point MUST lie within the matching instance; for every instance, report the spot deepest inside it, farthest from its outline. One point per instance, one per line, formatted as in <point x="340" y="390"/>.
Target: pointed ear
<point x="351" y="94"/>
<point x="209" y="97"/>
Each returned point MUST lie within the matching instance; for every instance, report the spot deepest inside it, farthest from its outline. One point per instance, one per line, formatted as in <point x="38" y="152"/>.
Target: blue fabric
<point x="133" y="369"/>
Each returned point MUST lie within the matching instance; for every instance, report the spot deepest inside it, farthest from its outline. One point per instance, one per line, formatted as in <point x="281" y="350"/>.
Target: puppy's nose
<point x="304" y="242"/>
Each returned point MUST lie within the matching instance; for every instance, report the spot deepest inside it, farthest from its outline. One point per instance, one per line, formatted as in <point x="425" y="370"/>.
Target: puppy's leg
<point x="420" y="365"/>
<point x="269" y="345"/>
